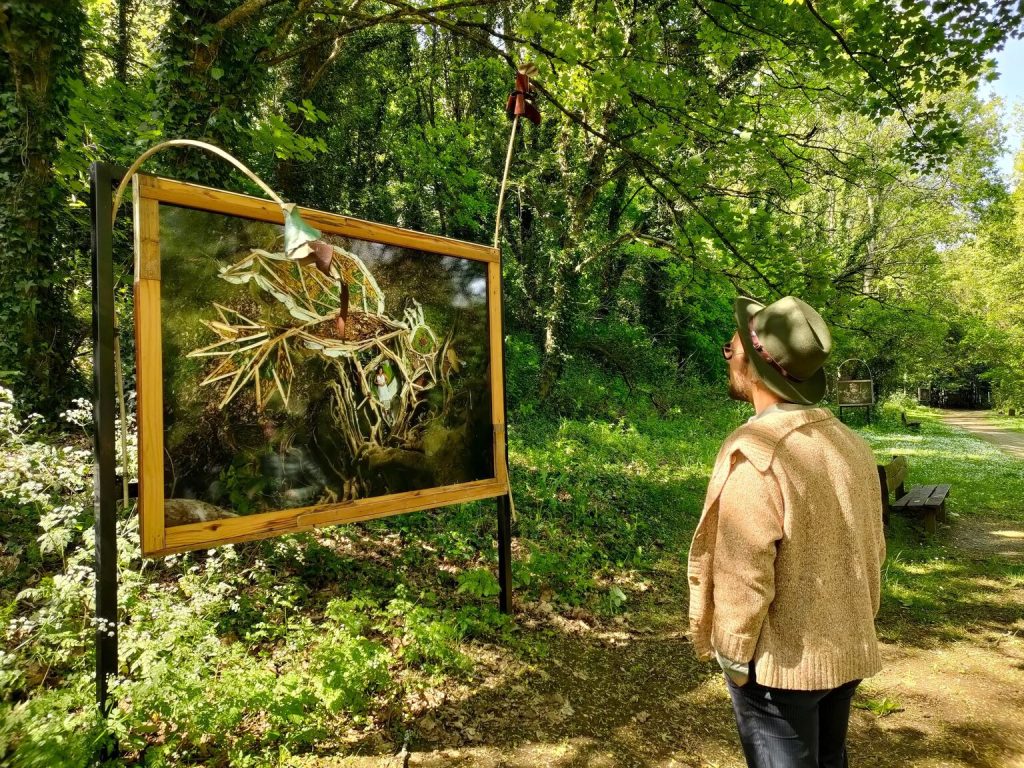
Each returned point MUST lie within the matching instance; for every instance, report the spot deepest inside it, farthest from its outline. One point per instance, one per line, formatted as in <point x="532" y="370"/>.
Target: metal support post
<point x="105" y="487"/>
<point x="504" y="554"/>
<point x="504" y="502"/>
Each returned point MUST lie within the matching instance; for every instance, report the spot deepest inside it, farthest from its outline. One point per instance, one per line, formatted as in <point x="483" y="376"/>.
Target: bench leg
<point x="942" y="512"/>
<point x="929" y="520"/>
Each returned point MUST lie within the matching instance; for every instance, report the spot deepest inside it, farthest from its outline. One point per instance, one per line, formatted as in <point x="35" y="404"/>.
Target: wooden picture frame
<point x="856" y="392"/>
<point x="158" y="539"/>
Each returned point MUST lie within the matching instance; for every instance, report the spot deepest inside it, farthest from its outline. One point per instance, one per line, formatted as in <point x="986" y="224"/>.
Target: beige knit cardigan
<point x="785" y="563"/>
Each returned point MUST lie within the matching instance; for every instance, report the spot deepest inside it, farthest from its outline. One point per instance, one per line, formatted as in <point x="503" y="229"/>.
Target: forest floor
<point x="628" y="691"/>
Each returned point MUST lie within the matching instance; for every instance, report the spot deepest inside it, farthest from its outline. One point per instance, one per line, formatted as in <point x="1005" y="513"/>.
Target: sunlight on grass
<point x="931" y="568"/>
<point x="880" y="707"/>
<point x="1013" y="423"/>
<point x="933" y="591"/>
<point x="1009" y="534"/>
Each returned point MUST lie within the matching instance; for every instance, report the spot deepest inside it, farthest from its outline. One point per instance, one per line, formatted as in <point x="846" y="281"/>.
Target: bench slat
<point x="938" y="496"/>
<point x="916" y="498"/>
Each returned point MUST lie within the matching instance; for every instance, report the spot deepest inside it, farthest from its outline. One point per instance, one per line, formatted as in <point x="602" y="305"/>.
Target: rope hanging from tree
<point x="519" y="104"/>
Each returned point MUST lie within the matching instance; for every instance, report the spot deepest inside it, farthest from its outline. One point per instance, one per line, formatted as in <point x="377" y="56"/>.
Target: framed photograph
<point x="856" y="392"/>
<point x="277" y="395"/>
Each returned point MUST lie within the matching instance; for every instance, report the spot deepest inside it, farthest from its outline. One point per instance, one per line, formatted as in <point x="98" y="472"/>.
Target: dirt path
<point x="630" y="694"/>
<point x="978" y="423"/>
<point x="984" y="536"/>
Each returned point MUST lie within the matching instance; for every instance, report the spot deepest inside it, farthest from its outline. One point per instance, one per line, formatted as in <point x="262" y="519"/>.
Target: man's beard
<point x="736" y="389"/>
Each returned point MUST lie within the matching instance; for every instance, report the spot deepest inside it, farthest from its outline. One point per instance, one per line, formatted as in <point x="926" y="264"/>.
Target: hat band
<point x="767" y="357"/>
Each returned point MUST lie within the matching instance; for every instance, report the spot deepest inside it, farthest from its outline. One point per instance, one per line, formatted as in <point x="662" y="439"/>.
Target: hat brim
<point x="803" y="392"/>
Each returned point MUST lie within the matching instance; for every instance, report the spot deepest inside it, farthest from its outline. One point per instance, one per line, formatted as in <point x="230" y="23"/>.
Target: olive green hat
<point x="788" y="343"/>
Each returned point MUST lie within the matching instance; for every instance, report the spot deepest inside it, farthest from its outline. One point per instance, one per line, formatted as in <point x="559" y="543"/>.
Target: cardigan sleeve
<point x="750" y="524"/>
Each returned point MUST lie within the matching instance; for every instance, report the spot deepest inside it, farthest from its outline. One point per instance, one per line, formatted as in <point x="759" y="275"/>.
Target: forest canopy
<point x="689" y="151"/>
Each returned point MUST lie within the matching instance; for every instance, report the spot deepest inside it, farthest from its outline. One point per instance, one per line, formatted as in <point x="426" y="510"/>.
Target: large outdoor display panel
<point x="277" y="395"/>
<point x="856" y="392"/>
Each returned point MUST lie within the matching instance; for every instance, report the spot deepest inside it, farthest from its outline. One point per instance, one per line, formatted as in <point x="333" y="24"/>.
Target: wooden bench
<point x="929" y="501"/>
<point x="913" y="426"/>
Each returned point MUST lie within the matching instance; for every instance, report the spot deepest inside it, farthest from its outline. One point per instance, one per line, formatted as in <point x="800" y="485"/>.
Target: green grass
<point x="934" y="592"/>
<point x="881" y="707"/>
<point x="594" y="494"/>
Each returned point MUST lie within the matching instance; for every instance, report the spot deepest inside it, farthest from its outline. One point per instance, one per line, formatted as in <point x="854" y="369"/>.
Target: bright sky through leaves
<point x="1010" y="88"/>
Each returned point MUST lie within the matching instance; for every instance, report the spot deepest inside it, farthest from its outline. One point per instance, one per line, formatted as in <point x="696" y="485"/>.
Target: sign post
<point x="855" y="393"/>
<point x="410" y="336"/>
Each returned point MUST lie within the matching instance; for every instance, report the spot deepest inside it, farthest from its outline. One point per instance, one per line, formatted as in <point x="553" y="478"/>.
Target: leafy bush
<point x="522" y="360"/>
<point x="428" y="640"/>
<point x="896" y="403"/>
<point x="347" y="670"/>
<point x="479" y="583"/>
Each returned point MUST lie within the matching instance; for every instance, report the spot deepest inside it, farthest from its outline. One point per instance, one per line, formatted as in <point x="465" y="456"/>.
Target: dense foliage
<point x="689" y="151"/>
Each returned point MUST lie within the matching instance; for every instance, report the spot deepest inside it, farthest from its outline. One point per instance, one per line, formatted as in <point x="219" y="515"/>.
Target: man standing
<point x="785" y="565"/>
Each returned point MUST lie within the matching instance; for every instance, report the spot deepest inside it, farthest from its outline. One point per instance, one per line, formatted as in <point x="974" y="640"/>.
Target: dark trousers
<point x="792" y="729"/>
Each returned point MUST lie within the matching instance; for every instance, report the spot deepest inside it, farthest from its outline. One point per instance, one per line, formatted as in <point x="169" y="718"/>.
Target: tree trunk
<point x="41" y="336"/>
<point x="214" y="95"/>
<point x="561" y="313"/>
<point x="615" y="266"/>
<point x="308" y="71"/>
<point x="122" y="53"/>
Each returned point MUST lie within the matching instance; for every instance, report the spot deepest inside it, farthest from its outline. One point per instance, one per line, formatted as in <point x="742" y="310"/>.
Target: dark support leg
<point x="505" y="555"/>
<point x="105" y="491"/>
<point x="883" y="482"/>
<point x="504" y="502"/>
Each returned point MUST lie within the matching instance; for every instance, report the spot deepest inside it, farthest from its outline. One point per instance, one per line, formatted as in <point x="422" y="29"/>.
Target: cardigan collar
<point x="758" y="439"/>
<point x="776" y="407"/>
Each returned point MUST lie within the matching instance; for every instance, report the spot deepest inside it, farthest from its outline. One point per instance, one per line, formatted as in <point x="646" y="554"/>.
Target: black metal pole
<point x="105" y="491"/>
<point x="504" y="555"/>
<point x="504" y="502"/>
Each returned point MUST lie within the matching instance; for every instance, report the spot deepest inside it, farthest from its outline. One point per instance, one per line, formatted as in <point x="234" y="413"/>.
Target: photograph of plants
<point x="287" y="385"/>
